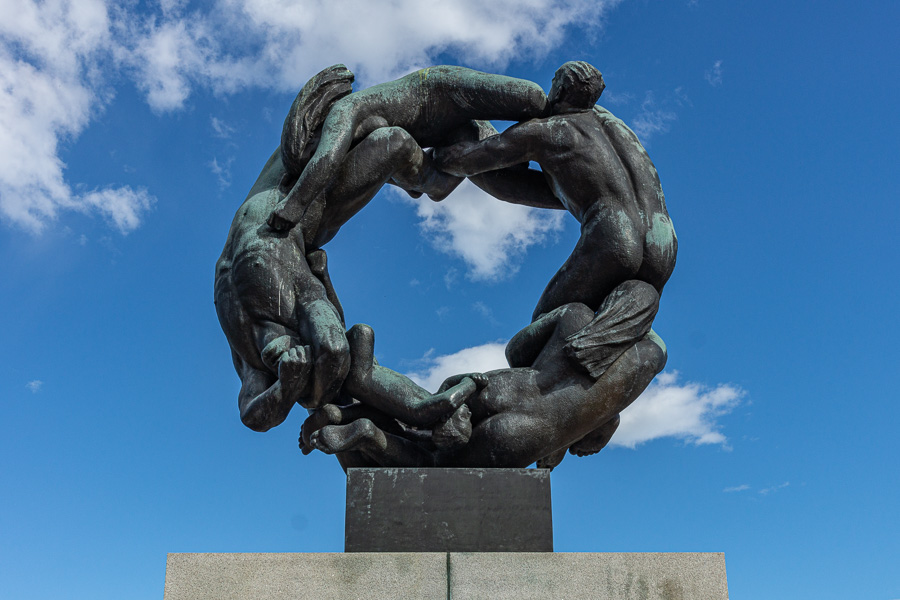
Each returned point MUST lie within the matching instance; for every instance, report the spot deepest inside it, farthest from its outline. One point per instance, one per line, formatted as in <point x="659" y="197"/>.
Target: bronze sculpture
<point x="589" y="351"/>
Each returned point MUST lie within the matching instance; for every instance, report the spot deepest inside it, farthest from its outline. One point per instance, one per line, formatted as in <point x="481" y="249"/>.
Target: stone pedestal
<point x="461" y="534"/>
<point x="439" y="576"/>
<point x="448" y="510"/>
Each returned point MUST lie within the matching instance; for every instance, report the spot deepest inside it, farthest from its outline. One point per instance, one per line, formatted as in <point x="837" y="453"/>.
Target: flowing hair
<point x="308" y="113"/>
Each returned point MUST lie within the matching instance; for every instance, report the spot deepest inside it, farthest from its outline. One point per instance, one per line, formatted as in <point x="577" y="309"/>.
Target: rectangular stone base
<point x="439" y="575"/>
<point x="448" y="510"/>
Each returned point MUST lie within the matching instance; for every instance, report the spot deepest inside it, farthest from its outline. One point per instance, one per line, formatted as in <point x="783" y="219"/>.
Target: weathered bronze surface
<point x="589" y="351"/>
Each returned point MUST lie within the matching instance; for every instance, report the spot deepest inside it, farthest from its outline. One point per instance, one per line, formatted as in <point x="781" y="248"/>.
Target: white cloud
<point x="485" y="311"/>
<point x="122" y="207"/>
<point x="221" y="129"/>
<point x="436" y="369"/>
<point x="667" y="409"/>
<point x="34" y="386"/>
<point x="714" y="74"/>
<point x="489" y="235"/>
<point x="51" y="57"/>
<point x="652" y="119"/>
<point x="57" y="58"/>
<point x="280" y="43"/>
<point x="222" y="172"/>
<point x="738" y="488"/>
<point x="774" y="488"/>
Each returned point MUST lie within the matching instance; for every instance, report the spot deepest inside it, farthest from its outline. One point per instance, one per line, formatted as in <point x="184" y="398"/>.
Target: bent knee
<point x="397" y="141"/>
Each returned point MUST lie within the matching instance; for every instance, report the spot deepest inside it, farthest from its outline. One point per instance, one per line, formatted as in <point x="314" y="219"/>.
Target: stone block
<point x="594" y="576"/>
<point x="383" y="576"/>
<point x="448" y="510"/>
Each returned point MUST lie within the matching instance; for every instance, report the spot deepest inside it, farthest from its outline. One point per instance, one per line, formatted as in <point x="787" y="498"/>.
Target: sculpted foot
<point x="552" y="460"/>
<point x="440" y="406"/>
<point x="596" y="440"/>
<point x="330" y="414"/>
<point x="455" y="431"/>
<point x="358" y="435"/>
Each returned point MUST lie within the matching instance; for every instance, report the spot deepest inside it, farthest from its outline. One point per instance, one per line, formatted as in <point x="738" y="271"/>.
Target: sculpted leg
<point x="393" y="393"/>
<point x="620" y="385"/>
<point x="364" y="437"/>
<point x="596" y="440"/>
<point x="415" y="171"/>
<point x="609" y="252"/>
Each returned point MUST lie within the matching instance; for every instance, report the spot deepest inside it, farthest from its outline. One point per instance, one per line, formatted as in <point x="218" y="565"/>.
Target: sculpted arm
<point x="518" y="185"/>
<point x="499" y="165"/>
<point x="519" y="144"/>
<point x="264" y="400"/>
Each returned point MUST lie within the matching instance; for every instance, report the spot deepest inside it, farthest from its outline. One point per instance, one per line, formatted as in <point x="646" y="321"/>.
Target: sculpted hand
<point x="332" y="363"/>
<point x="294" y="368"/>
<point x="449" y="159"/>
<point x="280" y="219"/>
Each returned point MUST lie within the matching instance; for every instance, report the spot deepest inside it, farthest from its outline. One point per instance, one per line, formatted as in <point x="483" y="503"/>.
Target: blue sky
<point x="130" y="133"/>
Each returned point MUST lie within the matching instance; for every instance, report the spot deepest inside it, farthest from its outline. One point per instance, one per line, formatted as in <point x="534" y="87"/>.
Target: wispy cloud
<point x="613" y="98"/>
<point x="652" y="119"/>
<point x="774" y="488"/>
<point x="714" y="74"/>
<point x="222" y="172"/>
<point x="485" y="311"/>
<point x="34" y="386"/>
<point x="738" y="488"/>
<point x="686" y="411"/>
<point x="488" y="235"/>
<point x="220" y="128"/>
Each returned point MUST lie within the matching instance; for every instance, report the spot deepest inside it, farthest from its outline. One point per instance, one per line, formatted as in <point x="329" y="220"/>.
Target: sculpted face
<point x="561" y="81"/>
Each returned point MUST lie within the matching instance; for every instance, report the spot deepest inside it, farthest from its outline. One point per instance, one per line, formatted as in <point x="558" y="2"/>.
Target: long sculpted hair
<point x="308" y="113"/>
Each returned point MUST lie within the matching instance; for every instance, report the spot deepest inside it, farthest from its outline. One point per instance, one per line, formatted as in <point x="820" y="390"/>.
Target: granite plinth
<point x="461" y="576"/>
<point x="324" y="576"/>
<point x="448" y="510"/>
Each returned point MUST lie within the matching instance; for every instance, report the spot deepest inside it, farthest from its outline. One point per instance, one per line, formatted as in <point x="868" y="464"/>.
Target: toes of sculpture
<point x="329" y="414"/>
<point x="342" y="438"/>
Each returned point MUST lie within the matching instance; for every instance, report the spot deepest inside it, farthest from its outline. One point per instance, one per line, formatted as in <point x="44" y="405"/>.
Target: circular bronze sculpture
<point x="589" y="351"/>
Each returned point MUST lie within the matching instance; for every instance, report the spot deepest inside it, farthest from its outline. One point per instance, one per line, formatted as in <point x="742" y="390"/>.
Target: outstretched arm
<point x="519" y="144"/>
<point x="519" y="185"/>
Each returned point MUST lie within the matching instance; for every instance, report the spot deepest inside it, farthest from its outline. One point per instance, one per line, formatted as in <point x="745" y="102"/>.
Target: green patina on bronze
<point x="590" y="349"/>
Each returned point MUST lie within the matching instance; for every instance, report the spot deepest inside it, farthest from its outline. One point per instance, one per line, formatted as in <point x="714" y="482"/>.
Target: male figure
<point x="273" y="295"/>
<point x="521" y="415"/>
<point x="598" y="169"/>
<point x="428" y="104"/>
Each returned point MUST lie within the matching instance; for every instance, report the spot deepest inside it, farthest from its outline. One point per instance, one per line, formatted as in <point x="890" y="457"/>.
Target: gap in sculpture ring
<point x="589" y="350"/>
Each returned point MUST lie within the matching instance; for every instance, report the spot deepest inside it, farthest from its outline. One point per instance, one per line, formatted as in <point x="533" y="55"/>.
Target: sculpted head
<point x="577" y="84"/>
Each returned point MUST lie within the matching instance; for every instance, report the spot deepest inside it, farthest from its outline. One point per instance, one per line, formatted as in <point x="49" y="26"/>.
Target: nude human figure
<point x="534" y="413"/>
<point x="273" y="294"/>
<point x="600" y="172"/>
<point x="427" y="104"/>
